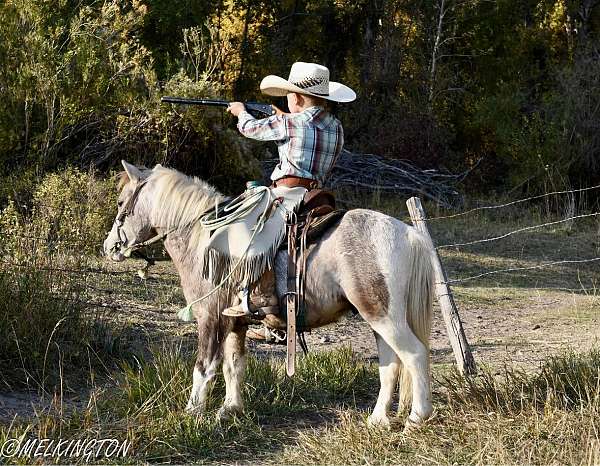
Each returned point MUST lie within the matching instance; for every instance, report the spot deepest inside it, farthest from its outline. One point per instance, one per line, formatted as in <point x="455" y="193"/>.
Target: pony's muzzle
<point x="113" y="250"/>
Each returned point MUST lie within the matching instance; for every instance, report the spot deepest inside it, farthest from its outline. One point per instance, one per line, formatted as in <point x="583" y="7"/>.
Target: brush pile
<point x="370" y="172"/>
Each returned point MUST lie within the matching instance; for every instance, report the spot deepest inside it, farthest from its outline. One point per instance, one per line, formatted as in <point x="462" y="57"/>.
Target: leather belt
<point x="296" y="181"/>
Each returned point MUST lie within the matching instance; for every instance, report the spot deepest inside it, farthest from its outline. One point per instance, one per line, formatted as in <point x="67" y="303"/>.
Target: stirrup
<point x="236" y="311"/>
<point x="258" y="313"/>
<point x="242" y="309"/>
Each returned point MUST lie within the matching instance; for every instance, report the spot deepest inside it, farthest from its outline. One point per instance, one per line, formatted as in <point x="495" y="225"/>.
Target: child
<point x="309" y="141"/>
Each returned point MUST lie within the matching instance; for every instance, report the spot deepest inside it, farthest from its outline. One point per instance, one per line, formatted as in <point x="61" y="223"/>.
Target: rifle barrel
<point x="183" y="100"/>
<point x="255" y="108"/>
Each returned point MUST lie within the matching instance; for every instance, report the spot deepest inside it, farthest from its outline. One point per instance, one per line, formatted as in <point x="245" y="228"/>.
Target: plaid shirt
<point x="309" y="142"/>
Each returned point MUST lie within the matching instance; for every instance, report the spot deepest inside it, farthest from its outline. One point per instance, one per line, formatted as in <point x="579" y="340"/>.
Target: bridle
<point x="120" y="245"/>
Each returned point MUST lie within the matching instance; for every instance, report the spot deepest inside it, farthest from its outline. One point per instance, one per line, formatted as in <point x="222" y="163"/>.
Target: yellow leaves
<point x="556" y="18"/>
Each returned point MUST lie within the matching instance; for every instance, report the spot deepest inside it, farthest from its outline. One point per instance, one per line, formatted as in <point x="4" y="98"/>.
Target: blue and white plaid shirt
<point x="309" y="142"/>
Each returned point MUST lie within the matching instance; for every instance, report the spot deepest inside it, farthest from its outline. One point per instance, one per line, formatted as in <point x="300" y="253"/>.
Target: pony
<point x="368" y="262"/>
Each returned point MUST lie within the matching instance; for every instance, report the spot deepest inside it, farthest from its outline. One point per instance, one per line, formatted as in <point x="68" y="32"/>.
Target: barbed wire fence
<point x="508" y="234"/>
<point x="458" y="340"/>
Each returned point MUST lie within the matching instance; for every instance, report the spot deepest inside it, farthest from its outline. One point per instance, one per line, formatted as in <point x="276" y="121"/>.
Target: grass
<point x="550" y="417"/>
<point x="145" y="401"/>
<point x="319" y="417"/>
<point x="53" y="339"/>
<point x="33" y="318"/>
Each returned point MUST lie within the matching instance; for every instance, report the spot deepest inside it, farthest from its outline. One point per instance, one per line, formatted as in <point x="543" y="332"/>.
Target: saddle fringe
<point x="244" y="270"/>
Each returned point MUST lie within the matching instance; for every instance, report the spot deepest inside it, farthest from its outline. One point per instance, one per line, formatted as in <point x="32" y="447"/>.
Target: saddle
<point x="317" y="213"/>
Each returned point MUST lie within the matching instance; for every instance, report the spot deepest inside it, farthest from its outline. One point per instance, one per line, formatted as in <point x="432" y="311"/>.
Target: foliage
<point x="441" y="83"/>
<point x="67" y="69"/>
<point x="43" y="314"/>
<point x="69" y="213"/>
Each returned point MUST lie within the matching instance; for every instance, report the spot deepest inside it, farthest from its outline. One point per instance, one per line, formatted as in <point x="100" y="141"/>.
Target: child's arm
<point x="272" y="128"/>
<point x="265" y="129"/>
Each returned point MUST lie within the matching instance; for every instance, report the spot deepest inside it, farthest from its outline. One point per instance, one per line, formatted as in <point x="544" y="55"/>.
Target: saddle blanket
<point x="245" y="243"/>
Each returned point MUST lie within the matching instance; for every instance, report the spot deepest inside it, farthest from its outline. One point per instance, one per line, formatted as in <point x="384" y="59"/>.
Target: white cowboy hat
<point x="309" y="79"/>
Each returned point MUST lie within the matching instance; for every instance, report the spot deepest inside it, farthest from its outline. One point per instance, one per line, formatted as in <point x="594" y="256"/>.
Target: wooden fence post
<point x="458" y="340"/>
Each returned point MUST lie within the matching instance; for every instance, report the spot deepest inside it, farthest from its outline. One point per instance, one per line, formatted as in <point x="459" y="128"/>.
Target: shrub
<point x="68" y="213"/>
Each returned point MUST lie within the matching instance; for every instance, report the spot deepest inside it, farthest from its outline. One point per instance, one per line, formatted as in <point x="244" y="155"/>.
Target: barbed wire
<point x="82" y="208"/>
<point x="72" y="241"/>
<point x="116" y="307"/>
<point x="520" y="230"/>
<point x="81" y="270"/>
<point x="518" y="201"/>
<point x="92" y="270"/>
<point x="515" y="269"/>
<point x="562" y="288"/>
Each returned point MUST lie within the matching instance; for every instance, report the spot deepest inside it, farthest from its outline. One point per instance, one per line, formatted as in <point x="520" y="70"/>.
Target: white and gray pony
<point x="369" y="262"/>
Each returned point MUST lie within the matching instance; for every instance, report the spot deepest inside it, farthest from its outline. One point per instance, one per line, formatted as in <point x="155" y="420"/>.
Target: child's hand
<point x="278" y="111"/>
<point x="235" y="108"/>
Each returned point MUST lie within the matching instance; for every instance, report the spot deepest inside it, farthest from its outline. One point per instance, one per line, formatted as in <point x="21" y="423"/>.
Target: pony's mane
<point x="180" y="200"/>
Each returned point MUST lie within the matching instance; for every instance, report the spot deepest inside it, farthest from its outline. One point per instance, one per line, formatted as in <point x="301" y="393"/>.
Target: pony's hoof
<point x="379" y="422"/>
<point x="411" y="425"/>
<point x="225" y="414"/>
<point x="193" y="410"/>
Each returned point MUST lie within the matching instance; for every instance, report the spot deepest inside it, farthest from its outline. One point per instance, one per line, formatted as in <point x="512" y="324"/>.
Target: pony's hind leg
<point x="415" y="359"/>
<point x="389" y="366"/>
<point x="234" y="367"/>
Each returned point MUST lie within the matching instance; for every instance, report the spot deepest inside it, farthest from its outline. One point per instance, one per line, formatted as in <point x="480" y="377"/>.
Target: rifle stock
<point x="256" y="109"/>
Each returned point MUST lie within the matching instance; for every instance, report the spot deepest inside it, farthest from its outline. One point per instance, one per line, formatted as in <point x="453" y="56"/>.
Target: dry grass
<point x="506" y="417"/>
<point x="499" y="417"/>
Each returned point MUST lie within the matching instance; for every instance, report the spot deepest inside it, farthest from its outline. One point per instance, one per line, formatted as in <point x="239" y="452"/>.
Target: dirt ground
<point x="523" y="331"/>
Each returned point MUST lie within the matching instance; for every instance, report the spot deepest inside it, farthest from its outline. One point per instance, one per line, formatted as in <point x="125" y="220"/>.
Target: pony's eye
<point x="120" y="203"/>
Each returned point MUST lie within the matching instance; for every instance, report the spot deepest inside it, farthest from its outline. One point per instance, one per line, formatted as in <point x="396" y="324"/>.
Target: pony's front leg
<point x="207" y="362"/>
<point x="204" y="374"/>
<point x="234" y="368"/>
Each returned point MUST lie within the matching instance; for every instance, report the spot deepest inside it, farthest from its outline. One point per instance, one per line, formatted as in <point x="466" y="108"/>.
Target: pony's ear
<point x="158" y="165"/>
<point x="133" y="172"/>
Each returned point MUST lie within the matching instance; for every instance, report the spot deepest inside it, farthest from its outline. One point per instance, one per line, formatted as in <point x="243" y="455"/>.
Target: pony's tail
<point x="419" y="302"/>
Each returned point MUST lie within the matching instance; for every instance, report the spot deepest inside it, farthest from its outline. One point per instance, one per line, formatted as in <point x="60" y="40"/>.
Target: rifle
<point x="256" y="109"/>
